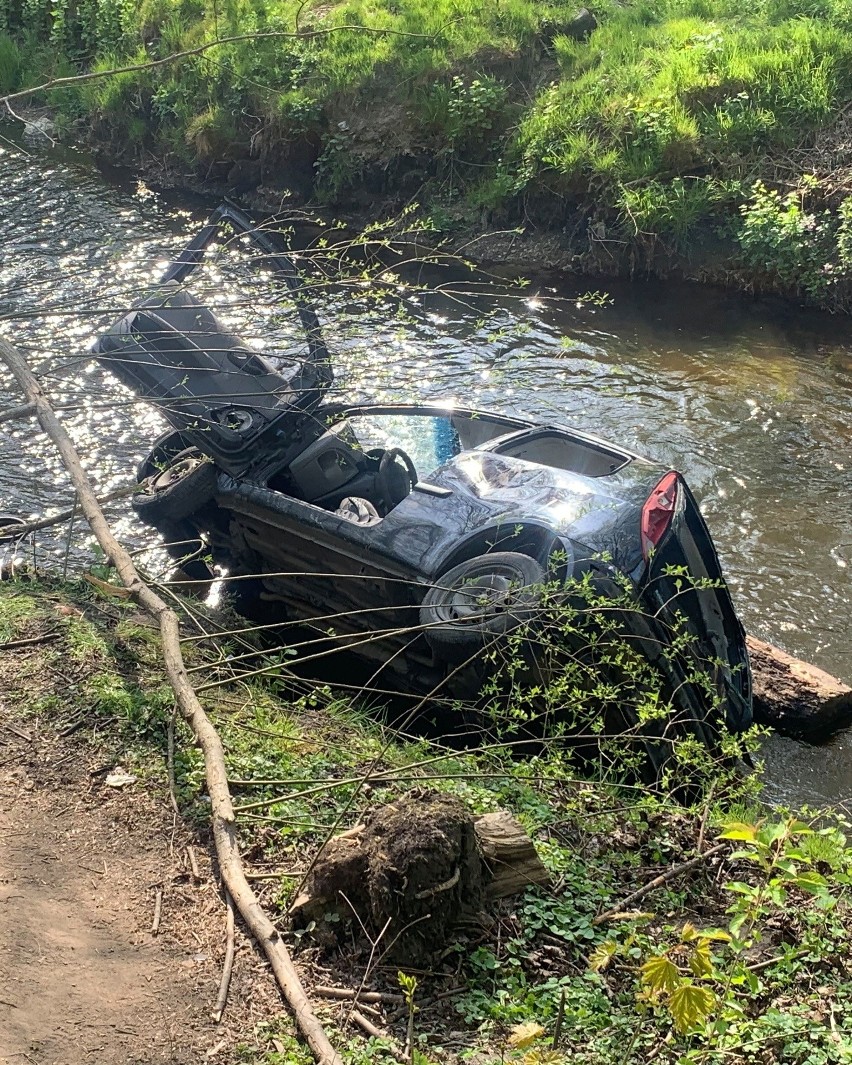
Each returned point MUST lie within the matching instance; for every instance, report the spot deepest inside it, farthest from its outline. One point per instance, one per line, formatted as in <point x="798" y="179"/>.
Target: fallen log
<point x="206" y="736"/>
<point x="795" y="697"/>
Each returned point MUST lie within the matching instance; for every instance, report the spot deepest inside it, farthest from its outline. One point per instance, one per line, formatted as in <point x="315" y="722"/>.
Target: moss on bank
<point x="641" y="143"/>
<point x="741" y="959"/>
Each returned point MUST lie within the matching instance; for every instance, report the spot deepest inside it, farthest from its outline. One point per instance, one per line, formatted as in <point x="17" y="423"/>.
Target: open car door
<point x="228" y="400"/>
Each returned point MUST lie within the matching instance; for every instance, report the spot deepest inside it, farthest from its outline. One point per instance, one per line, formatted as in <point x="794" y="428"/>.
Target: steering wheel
<point x="395" y="465"/>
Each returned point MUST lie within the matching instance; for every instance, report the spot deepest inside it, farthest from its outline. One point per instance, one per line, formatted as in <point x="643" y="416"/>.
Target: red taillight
<point x="657" y="512"/>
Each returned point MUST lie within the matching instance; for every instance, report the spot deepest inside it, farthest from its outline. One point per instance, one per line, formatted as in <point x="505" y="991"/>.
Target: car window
<point x="428" y="440"/>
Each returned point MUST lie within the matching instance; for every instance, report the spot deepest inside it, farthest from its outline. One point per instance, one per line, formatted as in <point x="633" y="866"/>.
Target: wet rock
<point x="39" y="130"/>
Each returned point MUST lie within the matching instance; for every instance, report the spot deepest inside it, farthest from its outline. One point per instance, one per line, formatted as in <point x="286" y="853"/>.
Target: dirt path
<point x="82" y="979"/>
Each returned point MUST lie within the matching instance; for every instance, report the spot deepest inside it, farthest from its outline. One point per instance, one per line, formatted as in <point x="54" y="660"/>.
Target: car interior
<point x="377" y="458"/>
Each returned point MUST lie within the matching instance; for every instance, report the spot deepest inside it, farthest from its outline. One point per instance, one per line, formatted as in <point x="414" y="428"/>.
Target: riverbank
<point x="705" y="140"/>
<point x="740" y="955"/>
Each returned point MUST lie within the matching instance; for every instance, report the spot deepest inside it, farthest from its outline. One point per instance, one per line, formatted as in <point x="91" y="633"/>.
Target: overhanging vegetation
<point x="649" y="135"/>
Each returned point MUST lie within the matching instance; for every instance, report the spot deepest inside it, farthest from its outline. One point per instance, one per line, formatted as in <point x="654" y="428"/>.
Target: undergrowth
<point x="645" y="138"/>
<point x="741" y="959"/>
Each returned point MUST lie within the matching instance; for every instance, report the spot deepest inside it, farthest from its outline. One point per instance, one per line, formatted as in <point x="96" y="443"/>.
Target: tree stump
<point x="795" y="697"/>
<point x="411" y="871"/>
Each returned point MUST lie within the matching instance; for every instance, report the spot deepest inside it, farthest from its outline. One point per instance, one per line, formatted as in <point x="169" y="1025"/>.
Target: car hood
<point x="230" y="401"/>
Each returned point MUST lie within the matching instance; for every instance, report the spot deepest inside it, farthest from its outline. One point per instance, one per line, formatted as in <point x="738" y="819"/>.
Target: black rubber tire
<point x="186" y="484"/>
<point x="162" y="453"/>
<point x="484" y="597"/>
<point x="8" y="524"/>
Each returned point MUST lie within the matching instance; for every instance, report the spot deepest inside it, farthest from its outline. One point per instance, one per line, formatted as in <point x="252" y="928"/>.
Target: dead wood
<point x="795" y="697"/>
<point x="509" y="854"/>
<point x="228" y="966"/>
<point x="348" y="994"/>
<point x="416" y="867"/>
<point x="658" y="881"/>
<point x="376" y="1033"/>
<point x="223" y="820"/>
<point x="193" y="864"/>
<point x="158" y="912"/>
<point x="19" y="531"/>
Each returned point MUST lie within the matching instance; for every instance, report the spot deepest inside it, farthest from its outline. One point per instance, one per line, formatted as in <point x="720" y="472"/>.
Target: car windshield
<point x="429" y="439"/>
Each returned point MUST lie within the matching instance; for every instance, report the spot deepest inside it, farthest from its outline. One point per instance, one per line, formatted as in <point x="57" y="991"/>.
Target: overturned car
<point x="417" y="537"/>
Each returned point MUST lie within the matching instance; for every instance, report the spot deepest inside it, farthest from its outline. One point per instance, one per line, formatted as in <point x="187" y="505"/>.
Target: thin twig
<point x="16" y="731"/>
<point x="346" y="994"/>
<point x="132" y="68"/>
<point x="376" y="1033"/>
<point x="45" y="637"/>
<point x="158" y="912"/>
<point x="228" y="965"/>
<point x="699" y="846"/>
<point x="20" y="531"/>
<point x="560" y="1017"/>
<point x="193" y="863"/>
<point x="663" y="878"/>
<point x="170" y="761"/>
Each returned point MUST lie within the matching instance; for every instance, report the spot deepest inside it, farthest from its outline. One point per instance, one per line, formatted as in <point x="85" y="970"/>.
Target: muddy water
<point x="752" y="400"/>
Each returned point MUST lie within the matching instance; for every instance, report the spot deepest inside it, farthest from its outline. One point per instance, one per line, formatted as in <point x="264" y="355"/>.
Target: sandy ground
<point x="82" y="976"/>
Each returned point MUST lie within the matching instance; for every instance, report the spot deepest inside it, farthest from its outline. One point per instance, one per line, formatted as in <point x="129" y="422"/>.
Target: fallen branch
<point x="228" y="966"/>
<point x="193" y="864"/>
<point x="30" y="641"/>
<point x="222" y="811"/>
<point x="346" y="994"/>
<point x="376" y="1033"/>
<point x="26" y="410"/>
<point x="19" y="531"/>
<point x="158" y="912"/>
<point x="795" y="697"/>
<point x="658" y="881"/>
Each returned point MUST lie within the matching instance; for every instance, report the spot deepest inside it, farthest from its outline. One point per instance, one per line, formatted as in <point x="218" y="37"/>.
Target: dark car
<point x="413" y="535"/>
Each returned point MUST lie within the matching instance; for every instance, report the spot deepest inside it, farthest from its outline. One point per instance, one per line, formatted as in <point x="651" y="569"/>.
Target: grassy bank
<point x="742" y="958"/>
<point x="690" y="135"/>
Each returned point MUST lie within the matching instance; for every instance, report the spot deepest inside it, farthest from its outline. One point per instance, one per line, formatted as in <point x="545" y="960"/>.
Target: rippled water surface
<point x="752" y="400"/>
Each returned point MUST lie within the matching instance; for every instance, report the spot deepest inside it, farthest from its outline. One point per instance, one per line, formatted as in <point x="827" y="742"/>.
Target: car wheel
<point x="163" y="452"/>
<point x="481" y="598"/>
<point x="174" y="493"/>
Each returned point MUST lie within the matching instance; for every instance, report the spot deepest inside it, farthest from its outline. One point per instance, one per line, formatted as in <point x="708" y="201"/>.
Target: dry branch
<point x="347" y="994"/>
<point x="158" y="912"/>
<point x="228" y="966"/>
<point x="223" y="822"/>
<point x="376" y="1033"/>
<point x="658" y="881"/>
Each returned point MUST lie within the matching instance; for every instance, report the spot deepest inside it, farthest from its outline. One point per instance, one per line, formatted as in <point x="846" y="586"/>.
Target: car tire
<point x="184" y="486"/>
<point x="480" y="599"/>
<point x="163" y="452"/>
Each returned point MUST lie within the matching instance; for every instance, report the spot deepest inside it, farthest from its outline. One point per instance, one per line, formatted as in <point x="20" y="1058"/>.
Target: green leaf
<point x="659" y="974"/>
<point x="739" y="830"/>
<point x="812" y="881"/>
<point x="715" y="934"/>
<point x="690" y="1005"/>
<point x="602" y="955"/>
<point x="701" y="961"/>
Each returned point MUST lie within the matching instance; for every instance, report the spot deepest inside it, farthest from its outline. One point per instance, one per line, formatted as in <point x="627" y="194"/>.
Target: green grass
<point x="301" y="751"/>
<point x="657" y="126"/>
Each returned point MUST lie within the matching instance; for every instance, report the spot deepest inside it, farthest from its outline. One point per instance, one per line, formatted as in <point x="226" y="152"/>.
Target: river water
<point x="751" y="399"/>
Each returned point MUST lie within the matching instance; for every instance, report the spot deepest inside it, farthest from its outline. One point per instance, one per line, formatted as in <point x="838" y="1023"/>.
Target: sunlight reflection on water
<point x="751" y="400"/>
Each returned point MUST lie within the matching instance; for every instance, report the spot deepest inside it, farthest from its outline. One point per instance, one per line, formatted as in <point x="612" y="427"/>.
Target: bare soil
<point x="82" y="976"/>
